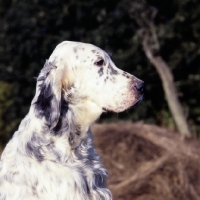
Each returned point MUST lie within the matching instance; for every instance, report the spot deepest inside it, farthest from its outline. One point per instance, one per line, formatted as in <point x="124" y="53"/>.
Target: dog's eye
<point x="99" y="63"/>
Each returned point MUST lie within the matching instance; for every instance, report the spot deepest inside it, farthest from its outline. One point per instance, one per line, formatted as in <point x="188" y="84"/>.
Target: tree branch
<point x="168" y="86"/>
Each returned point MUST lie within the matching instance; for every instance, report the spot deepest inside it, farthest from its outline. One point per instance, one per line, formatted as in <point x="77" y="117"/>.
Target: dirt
<point x="145" y="162"/>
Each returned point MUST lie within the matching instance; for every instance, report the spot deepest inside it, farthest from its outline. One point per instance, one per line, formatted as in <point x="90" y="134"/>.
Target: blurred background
<point x="157" y="41"/>
<point x="30" y="30"/>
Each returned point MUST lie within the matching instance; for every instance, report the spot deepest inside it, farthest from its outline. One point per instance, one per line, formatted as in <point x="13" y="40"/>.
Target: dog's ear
<point x="47" y="100"/>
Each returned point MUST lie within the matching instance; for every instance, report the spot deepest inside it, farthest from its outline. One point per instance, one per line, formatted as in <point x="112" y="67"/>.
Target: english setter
<point x="51" y="156"/>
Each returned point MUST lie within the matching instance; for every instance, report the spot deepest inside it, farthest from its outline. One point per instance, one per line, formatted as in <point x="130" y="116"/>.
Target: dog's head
<point x="83" y="76"/>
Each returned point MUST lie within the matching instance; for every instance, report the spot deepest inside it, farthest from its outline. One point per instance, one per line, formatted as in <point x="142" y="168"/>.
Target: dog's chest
<point x="46" y="180"/>
<point x="80" y="176"/>
<point x="63" y="182"/>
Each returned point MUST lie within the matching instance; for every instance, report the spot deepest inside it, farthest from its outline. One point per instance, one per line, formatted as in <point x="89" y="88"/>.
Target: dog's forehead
<point x="87" y="49"/>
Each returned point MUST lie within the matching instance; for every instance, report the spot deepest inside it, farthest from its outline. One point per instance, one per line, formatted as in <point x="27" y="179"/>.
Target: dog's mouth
<point x="107" y="110"/>
<point x="139" y="100"/>
<point x="122" y="108"/>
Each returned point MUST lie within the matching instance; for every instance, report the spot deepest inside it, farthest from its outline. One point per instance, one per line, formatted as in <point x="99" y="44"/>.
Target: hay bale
<point x="146" y="162"/>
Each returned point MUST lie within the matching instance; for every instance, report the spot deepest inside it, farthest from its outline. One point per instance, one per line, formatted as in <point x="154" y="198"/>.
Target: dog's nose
<point x="140" y="86"/>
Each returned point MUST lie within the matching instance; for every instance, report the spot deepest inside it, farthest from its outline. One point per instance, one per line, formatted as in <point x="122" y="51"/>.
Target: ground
<point x="145" y="162"/>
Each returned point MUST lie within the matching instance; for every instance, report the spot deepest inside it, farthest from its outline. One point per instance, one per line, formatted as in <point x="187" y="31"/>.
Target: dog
<point x="51" y="156"/>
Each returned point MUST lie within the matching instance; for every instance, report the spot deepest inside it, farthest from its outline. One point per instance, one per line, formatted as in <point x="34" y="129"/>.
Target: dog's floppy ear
<point x="47" y="100"/>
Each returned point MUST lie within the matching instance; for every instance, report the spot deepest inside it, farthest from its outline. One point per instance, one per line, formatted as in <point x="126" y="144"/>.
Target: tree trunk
<point x="169" y="89"/>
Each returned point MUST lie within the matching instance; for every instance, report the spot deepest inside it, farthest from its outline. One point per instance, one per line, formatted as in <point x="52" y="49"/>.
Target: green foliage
<point x="30" y="30"/>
